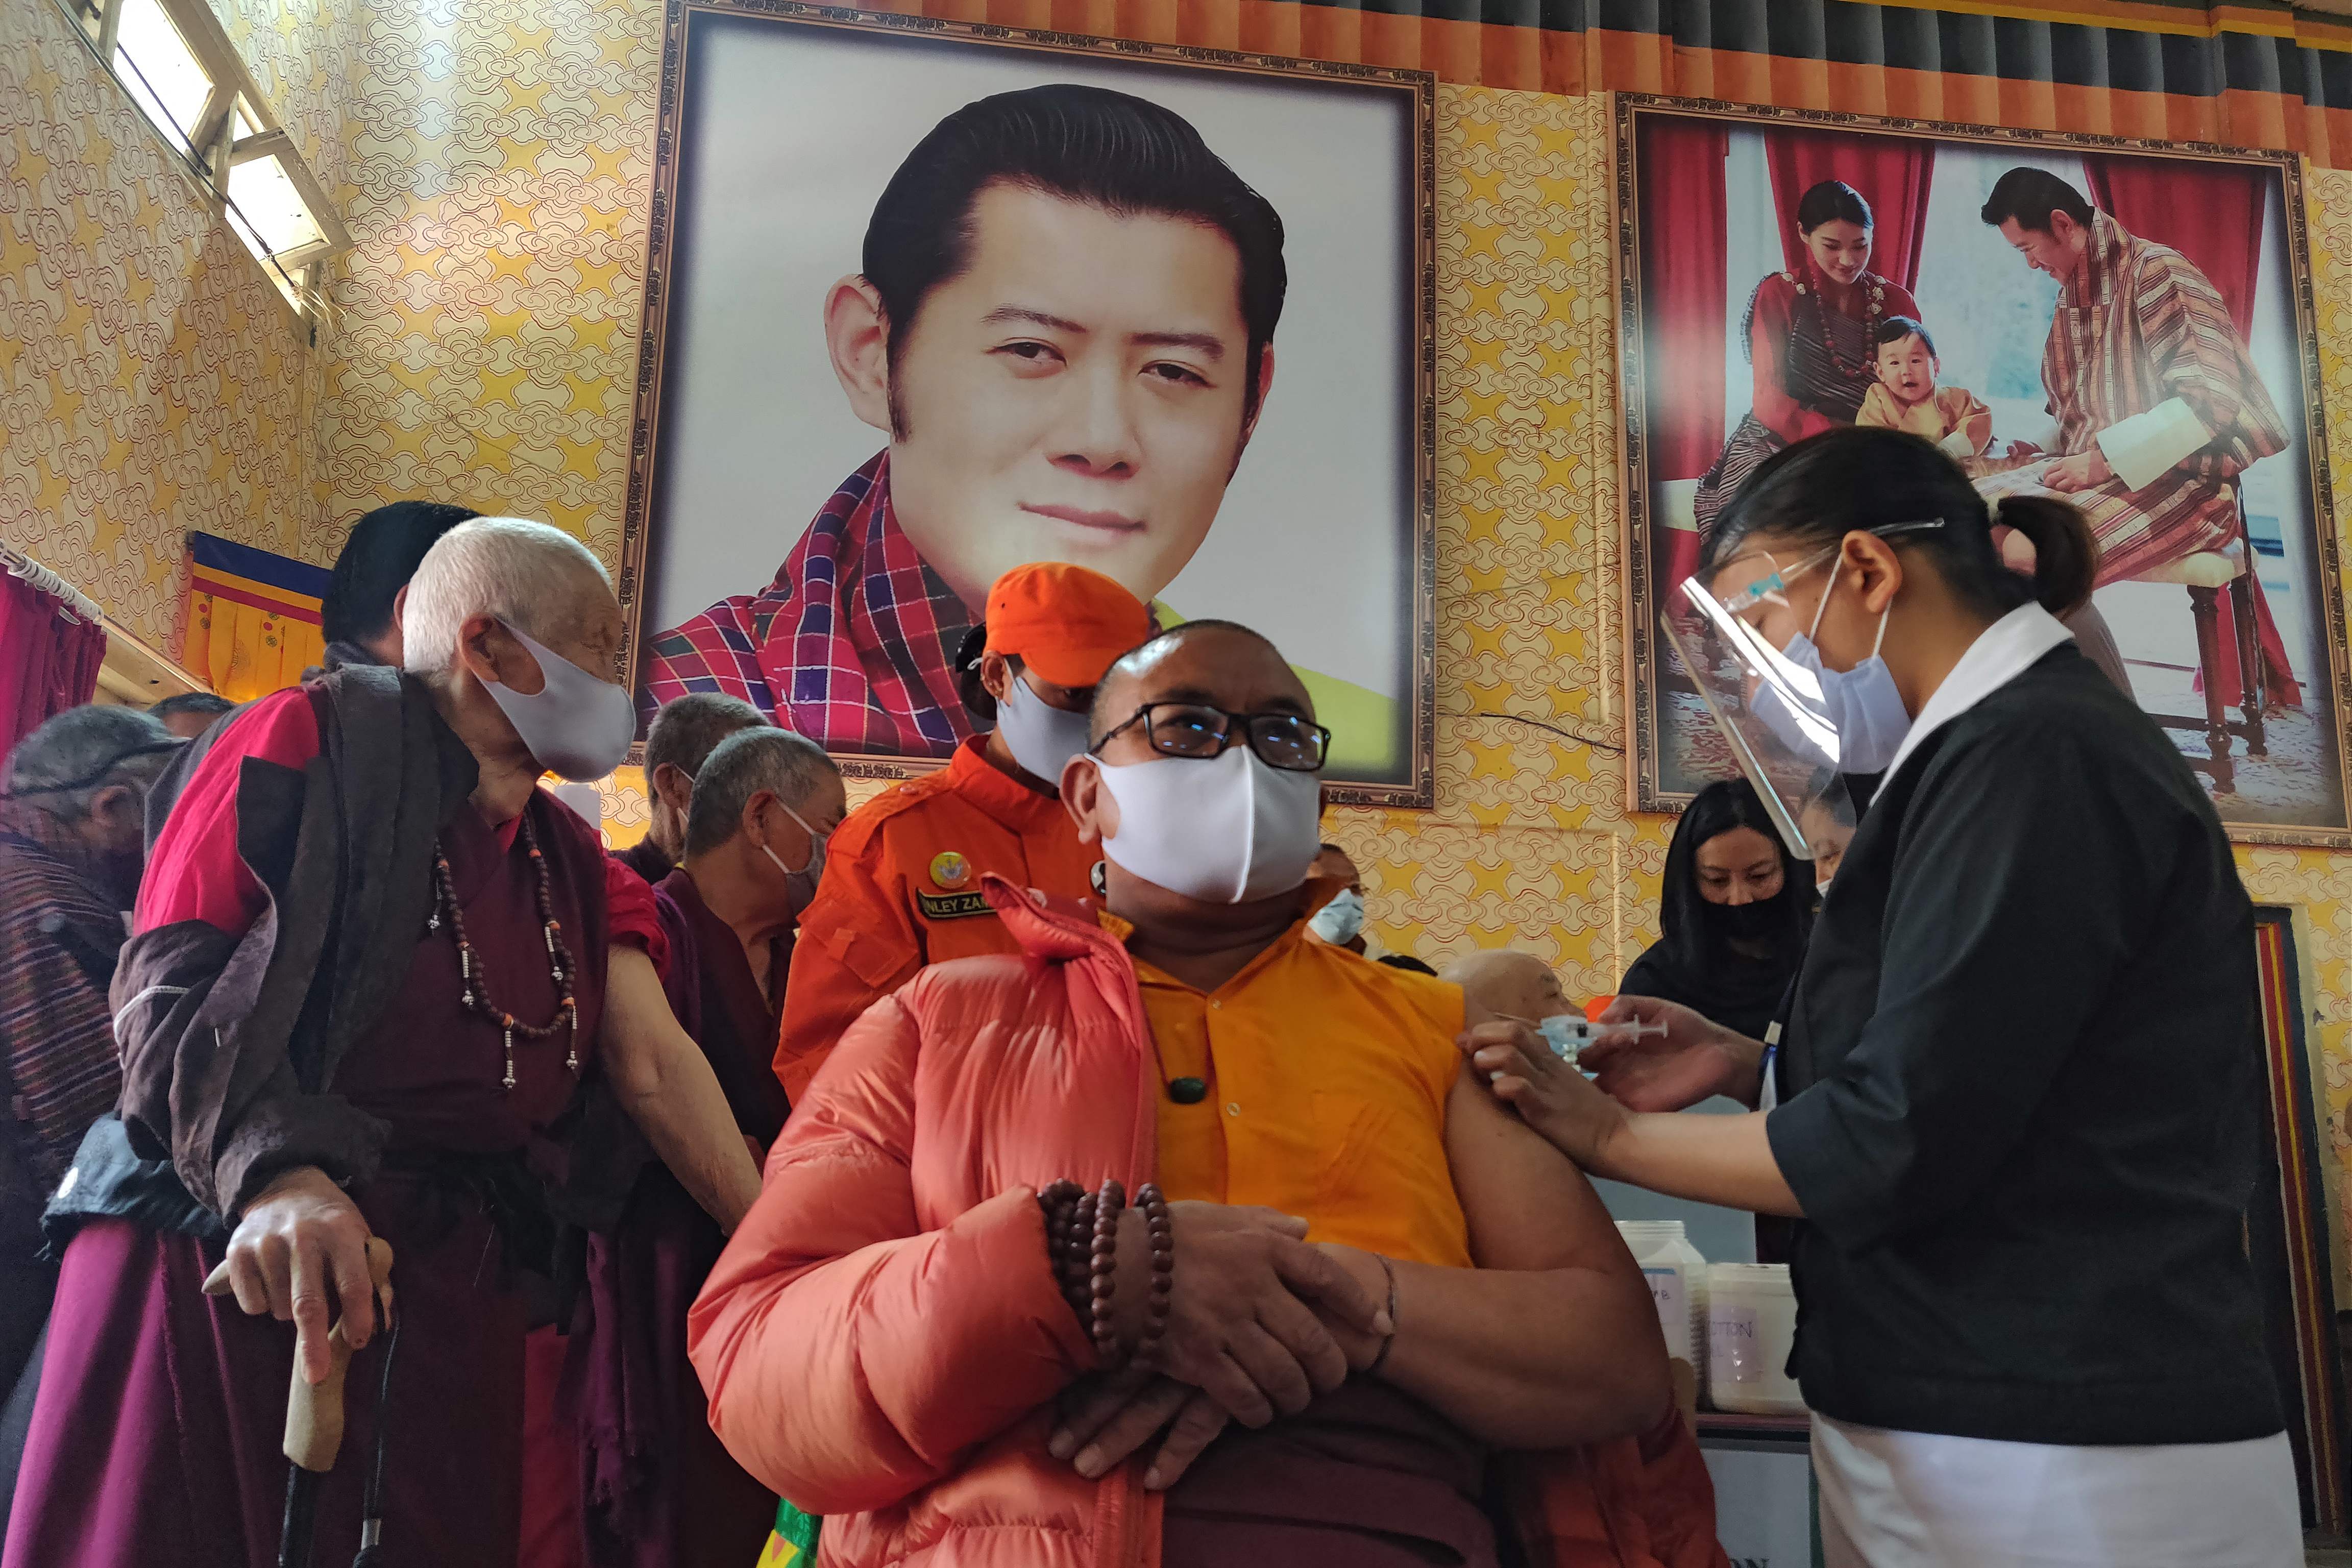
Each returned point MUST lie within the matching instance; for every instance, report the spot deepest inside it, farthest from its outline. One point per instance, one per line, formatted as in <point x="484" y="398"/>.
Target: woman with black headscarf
<point x="1731" y="916"/>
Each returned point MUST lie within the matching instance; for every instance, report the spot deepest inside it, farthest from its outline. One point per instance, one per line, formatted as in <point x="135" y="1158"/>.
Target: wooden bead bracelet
<point x="1082" y="1246"/>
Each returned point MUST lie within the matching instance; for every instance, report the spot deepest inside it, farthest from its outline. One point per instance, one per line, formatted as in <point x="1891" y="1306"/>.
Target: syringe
<point x="1568" y="1035"/>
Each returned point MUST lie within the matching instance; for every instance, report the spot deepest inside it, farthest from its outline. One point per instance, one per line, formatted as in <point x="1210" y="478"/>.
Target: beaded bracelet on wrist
<point x="1160" y="1230"/>
<point x="1103" y="1271"/>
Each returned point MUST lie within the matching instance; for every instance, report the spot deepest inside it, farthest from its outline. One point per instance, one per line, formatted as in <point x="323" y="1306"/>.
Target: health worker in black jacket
<point x="2017" y="1096"/>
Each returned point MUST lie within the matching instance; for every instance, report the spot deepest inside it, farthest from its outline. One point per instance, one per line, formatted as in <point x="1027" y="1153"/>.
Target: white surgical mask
<point x="575" y="725"/>
<point x="1223" y="829"/>
<point x="1338" y="922"/>
<point x="803" y="882"/>
<point x="1041" y="737"/>
<point x="1862" y="704"/>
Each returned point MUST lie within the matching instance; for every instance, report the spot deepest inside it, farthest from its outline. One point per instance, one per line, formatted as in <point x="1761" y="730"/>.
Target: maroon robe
<point x="661" y="1490"/>
<point x="156" y="1438"/>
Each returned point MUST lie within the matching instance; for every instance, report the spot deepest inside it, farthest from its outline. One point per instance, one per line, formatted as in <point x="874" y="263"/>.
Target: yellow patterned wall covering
<point x="483" y="341"/>
<point x="150" y="379"/>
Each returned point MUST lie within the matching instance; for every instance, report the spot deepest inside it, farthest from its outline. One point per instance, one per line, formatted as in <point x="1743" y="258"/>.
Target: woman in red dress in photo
<point x="1810" y="338"/>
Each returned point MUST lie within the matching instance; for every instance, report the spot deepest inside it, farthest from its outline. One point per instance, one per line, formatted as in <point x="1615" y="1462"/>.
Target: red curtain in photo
<point x="1682" y="262"/>
<point x="1893" y="173"/>
<point x="48" y="660"/>
<point x="2213" y="215"/>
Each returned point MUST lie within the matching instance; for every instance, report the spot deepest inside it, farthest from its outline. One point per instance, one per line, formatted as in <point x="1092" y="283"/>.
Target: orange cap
<point x="1064" y="622"/>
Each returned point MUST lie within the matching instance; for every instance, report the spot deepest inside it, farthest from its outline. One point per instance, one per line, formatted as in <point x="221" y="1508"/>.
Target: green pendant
<point x="1187" y="1090"/>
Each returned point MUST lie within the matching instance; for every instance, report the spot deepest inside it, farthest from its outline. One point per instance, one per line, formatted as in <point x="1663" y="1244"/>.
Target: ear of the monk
<point x="115" y="816"/>
<point x="491" y="653"/>
<point x="674" y="788"/>
<point x="1089" y="804"/>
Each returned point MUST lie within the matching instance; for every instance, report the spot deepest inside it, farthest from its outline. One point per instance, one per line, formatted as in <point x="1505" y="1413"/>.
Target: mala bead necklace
<point x="1873" y="302"/>
<point x="476" y="974"/>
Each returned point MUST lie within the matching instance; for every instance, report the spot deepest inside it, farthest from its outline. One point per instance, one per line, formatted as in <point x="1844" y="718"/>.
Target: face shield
<point x="1776" y="712"/>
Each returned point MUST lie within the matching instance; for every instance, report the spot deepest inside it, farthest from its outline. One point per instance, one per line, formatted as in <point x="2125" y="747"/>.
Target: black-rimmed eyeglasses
<point x="1196" y="730"/>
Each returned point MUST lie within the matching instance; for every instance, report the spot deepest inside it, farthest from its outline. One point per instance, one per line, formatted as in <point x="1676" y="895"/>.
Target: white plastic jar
<point x="1751" y="1326"/>
<point x="1677" y="1275"/>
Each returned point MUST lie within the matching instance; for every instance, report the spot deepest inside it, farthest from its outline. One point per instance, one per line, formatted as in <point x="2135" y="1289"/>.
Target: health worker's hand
<point x="1521" y="1070"/>
<point x="1688" y="1058"/>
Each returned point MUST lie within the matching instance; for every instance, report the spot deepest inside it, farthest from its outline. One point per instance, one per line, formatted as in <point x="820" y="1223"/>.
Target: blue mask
<point x="1862" y="704"/>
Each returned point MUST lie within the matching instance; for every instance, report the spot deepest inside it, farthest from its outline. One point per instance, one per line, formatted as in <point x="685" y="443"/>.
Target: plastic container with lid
<point x="1677" y="1275"/>
<point x="1751" y="1326"/>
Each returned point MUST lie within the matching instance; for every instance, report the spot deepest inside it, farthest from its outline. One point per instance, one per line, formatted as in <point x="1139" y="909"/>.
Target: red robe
<point x="156" y="1433"/>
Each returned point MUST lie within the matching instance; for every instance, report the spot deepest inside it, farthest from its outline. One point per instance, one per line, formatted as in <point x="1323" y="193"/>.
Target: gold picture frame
<point x="1651" y="787"/>
<point x="1416" y="787"/>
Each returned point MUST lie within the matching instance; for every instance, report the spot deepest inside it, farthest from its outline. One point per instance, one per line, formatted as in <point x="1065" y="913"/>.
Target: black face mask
<point x="1754" y="922"/>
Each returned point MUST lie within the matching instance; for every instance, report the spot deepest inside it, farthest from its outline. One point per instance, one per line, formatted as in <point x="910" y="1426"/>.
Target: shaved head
<point x="1215" y="662"/>
<point x="1511" y="983"/>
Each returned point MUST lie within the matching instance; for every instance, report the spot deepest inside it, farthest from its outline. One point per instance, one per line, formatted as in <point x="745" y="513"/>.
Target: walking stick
<point x="314" y="1419"/>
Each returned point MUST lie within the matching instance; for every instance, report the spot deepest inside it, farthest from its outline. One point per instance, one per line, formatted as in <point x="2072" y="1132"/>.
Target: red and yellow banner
<point x="253" y="617"/>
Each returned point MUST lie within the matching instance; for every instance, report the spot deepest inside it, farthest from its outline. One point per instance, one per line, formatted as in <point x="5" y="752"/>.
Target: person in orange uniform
<point x="901" y="885"/>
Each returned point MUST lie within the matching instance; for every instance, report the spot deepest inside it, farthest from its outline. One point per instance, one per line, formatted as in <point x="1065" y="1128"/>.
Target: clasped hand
<point x="1260" y="1323"/>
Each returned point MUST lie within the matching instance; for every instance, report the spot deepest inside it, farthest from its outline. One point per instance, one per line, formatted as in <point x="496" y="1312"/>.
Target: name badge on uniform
<point x="951" y="906"/>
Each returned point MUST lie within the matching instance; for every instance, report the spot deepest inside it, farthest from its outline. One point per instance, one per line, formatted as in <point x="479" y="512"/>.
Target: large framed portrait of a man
<point x="927" y="300"/>
<point x="2124" y="324"/>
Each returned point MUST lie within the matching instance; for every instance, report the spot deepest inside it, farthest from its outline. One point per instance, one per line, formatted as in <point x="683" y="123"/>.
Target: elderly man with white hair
<point x="372" y="964"/>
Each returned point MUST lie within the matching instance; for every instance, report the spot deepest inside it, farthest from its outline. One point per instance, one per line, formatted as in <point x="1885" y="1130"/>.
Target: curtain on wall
<point x="1682" y="293"/>
<point x="2253" y="74"/>
<point x="253" y="617"/>
<point x="49" y="657"/>
<point x="2212" y="213"/>
<point x="1681" y="164"/>
<point x="1892" y="176"/>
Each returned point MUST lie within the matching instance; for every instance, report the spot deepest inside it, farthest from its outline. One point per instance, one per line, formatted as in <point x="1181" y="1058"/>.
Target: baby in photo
<point x="1905" y="396"/>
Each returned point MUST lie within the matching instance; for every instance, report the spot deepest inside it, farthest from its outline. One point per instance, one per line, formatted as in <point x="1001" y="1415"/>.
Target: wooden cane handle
<point x="314" y="1411"/>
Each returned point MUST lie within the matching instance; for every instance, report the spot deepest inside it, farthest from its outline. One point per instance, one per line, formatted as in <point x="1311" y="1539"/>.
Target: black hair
<point x="210" y="703"/>
<point x="1815" y="492"/>
<point x="1830" y="201"/>
<point x="1405" y="960"/>
<point x="968" y="686"/>
<point x="1895" y="329"/>
<point x="378" y="560"/>
<point x="1098" y="713"/>
<point x="2027" y="196"/>
<point x="1692" y="923"/>
<point x="1108" y="150"/>
<point x="687" y="730"/>
<point x="1332" y="849"/>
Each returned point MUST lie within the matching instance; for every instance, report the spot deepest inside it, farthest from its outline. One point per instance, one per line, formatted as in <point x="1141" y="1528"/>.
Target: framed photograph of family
<point x="928" y="300"/>
<point x="2126" y="323"/>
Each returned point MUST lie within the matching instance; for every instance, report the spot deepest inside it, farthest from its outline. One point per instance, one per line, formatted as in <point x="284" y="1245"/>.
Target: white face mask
<point x="575" y="724"/>
<point x="1224" y="829"/>
<point x="1041" y="737"/>
<point x="1862" y="704"/>
<point x="1339" y="921"/>
<point x="801" y="885"/>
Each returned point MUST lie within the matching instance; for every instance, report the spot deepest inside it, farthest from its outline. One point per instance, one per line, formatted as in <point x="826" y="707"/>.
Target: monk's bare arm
<point x="666" y="1086"/>
<point x="1552" y="1338"/>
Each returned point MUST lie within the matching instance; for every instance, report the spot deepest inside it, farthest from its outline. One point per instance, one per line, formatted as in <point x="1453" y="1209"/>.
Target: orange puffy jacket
<point x="882" y="1342"/>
